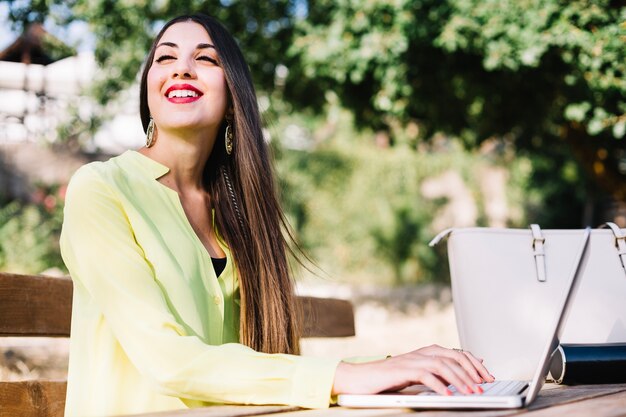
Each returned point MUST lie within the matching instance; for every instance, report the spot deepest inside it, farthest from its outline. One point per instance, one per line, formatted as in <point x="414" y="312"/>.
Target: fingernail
<point x="468" y="389"/>
<point x="479" y="389"/>
<point x="448" y="392"/>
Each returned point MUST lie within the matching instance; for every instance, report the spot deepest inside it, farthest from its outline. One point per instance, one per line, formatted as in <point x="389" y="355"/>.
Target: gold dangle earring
<point x="228" y="138"/>
<point x="150" y="133"/>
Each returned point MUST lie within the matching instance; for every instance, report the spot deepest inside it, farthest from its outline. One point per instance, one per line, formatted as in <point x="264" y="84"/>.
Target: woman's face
<point x="186" y="86"/>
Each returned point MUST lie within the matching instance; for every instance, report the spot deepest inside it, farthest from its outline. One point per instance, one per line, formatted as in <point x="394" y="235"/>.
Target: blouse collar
<point x="149" y="165"/>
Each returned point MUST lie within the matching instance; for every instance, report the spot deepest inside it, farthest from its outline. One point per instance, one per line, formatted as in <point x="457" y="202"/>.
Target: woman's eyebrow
<point x="204" y="46"/>
<point x="172" y="44"/>
<point x="199" y="46"/>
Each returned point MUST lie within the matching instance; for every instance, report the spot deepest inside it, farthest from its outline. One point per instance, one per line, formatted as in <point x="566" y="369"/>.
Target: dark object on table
<point x="589" y="364"/>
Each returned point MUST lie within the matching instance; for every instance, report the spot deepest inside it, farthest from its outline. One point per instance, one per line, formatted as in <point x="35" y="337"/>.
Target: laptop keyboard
<point x="497" y="388"/>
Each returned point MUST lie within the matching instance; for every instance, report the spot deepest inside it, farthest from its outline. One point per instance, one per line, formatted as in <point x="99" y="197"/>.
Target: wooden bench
<point x="40" y="306"/>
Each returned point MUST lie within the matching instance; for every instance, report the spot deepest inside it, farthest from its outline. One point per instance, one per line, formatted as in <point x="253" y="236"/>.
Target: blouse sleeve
<point x="99" y="249"/>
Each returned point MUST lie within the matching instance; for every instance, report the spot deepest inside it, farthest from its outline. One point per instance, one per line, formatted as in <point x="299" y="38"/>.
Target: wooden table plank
<point x="559" y="394"/>
<point x="223" y="411"/>
<point x="607" y="405"/>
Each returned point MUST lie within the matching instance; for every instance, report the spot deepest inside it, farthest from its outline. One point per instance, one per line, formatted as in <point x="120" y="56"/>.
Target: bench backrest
<point x="34" y="305"/>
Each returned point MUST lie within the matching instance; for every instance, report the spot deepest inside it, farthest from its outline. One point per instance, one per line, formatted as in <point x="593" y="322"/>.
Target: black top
<point x="218" y="265"/>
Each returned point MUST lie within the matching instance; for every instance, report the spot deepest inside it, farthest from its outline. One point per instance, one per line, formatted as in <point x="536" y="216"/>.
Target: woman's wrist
<point x="342" y="377"/>
<point x="357" y="378"/>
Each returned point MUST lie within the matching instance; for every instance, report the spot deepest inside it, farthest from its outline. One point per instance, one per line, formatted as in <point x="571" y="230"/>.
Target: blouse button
<point x="217" y="299"/>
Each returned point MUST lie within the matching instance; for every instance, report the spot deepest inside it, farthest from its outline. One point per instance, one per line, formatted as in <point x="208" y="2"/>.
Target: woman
<point x="182" y="293"/>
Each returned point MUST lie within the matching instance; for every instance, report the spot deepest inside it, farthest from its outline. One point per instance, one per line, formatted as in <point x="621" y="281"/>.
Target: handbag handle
<point x="538" y="252"/>
<point x="440" y="236"/>
<point x="620" y="242"/>
<point x="537" y="245"/>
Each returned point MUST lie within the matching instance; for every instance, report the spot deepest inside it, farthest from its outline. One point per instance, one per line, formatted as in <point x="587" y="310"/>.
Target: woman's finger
<point x="434" y="383"/>
<point x="469" y="377"/>
<point x="477" y="371"/>
<point x="454" y="374"/>
<point x="480" y="367"/>
<point x="464" y="360"/>
<point x="474" y="366"/>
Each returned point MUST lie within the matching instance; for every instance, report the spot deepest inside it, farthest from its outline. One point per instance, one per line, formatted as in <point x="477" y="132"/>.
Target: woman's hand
<point x="433" y="366"/>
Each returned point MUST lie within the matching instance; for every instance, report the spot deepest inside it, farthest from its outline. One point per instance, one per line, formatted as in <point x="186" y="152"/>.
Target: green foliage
<point x="358" y="209"/>
<point x="542" y="72"/>
<point x="29" y="233"/>
<point x="23" y="13"/>
<point x="557" y="191"/>
<point x="487" y="59"/>
<point x="587" y="39"/>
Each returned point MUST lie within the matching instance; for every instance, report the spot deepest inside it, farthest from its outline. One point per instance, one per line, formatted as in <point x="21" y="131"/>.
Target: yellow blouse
<point x="153" y="328"/>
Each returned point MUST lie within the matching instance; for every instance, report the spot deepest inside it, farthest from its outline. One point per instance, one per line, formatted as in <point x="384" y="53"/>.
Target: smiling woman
<point x="187" y="89"/>
<point x="182" y="291"/>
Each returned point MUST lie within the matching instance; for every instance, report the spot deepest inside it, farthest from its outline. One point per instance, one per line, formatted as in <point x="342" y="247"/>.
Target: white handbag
<point x="505" y="283"/>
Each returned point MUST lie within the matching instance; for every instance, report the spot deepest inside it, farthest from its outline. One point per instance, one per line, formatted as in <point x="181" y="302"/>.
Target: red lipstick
<point x="184" y="93"/>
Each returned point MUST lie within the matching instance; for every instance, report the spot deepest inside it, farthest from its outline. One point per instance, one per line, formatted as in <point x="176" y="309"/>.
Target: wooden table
<point x="553" y="400"/>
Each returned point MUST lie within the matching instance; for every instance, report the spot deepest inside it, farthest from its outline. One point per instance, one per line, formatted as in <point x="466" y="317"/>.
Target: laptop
<point x="497" y="395"/>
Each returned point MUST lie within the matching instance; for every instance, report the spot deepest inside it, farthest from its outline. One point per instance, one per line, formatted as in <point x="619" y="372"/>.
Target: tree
<point x="546" y="74"/>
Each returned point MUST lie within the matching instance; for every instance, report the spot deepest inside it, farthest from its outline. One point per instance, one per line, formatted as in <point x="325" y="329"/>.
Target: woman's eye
<point x="207" y="58"/>
<point x="164" y="58"/>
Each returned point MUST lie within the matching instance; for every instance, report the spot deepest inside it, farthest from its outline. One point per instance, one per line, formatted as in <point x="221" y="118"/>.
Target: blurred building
<point x="43" y="85"/>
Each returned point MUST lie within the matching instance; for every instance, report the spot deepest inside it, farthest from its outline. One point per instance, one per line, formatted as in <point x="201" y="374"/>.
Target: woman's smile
<point x="182" y="93"/>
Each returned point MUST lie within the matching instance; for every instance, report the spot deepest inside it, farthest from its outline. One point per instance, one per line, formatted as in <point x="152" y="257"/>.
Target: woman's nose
<point x="183" y="69"/>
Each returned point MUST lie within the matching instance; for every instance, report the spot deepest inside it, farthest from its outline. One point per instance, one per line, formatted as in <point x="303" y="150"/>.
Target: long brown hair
<point x="247" y="212"/>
